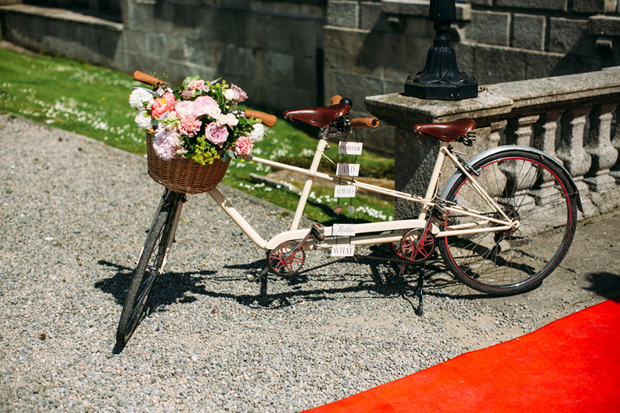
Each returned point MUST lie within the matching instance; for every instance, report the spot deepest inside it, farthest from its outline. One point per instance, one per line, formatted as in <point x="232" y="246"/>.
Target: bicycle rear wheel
<point x="149" y="266"/>
<point x="529" y="188"/>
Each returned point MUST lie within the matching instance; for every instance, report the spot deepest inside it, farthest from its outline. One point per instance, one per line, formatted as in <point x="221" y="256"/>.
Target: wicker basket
<point x="184" y="175"/>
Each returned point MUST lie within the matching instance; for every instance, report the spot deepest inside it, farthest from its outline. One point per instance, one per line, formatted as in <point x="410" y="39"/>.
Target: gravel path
<point x="73" y="214"/>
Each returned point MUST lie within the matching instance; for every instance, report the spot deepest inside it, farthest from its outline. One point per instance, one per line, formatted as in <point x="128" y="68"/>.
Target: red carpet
<point x="570" y="365"/>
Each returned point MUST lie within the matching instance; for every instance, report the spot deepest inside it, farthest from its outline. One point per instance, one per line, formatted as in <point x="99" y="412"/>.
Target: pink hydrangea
<point x="244" y="146"/>
<point x="217" y="135"/>
<point x="166" y="143"/>
<point x="163" y="105"/>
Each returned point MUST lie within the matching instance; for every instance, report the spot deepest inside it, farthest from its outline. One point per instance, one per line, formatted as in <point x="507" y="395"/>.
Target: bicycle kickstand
<point x="418" y="290"/>
<point x="262" y="277"/>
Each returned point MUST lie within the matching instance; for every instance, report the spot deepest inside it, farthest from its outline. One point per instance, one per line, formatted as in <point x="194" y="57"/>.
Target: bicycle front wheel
<point x="528" y="188"/>
<point x="149" y="266"/>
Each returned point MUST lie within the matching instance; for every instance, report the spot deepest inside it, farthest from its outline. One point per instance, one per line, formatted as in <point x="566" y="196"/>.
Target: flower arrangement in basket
<point x="194" y="132"/>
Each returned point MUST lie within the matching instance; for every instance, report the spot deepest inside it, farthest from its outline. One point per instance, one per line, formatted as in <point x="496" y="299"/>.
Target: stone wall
<point x="273" y="49"/>
<point x="270" y="48"/>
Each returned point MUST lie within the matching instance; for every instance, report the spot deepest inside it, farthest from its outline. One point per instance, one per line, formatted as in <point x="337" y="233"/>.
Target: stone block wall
<point x="270" y="48"/>
<point x="511" y="40"/>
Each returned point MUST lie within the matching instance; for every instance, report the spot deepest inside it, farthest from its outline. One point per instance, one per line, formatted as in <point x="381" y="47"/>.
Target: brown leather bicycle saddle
<point x="318" y="116"/>
<point x="447" y="132"/>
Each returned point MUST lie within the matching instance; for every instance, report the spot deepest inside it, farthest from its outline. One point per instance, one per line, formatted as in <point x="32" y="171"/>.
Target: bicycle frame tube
<point x="390" y="231"/>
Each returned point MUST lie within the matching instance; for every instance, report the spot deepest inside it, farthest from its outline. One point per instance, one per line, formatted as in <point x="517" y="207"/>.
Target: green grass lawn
<point x="93" y="101"/>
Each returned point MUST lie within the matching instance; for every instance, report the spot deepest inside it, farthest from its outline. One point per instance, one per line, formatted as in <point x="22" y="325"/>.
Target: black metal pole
<point x="441" y="78"/>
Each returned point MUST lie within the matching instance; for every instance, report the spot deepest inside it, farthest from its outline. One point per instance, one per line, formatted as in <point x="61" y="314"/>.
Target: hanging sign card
<point x="343" y="250"/>
<point x="347" y="230"/>
<point x="350" y="148"/>
<point x="348" y="169"/>
<point x="344" y="191"/>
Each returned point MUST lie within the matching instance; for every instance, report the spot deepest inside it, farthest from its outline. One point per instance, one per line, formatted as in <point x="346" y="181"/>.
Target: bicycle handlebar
<point x="267" y="119"/>
<point x="335" y="99"/>
<point x="365" y="123"/>
<point x="147" y="79"/>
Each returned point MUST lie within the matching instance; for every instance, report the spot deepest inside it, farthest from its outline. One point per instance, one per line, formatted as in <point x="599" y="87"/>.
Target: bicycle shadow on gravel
<point x="383" y="279"/>
<point x="170" y="287"/>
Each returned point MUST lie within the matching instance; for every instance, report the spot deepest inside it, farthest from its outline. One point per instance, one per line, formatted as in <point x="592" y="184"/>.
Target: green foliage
<point x="70" y="95"/>
<point x="93" y="101"/>
<point x="204" y="153"/>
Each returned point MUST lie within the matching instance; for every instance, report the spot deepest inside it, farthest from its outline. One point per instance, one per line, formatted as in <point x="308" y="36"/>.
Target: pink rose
<point x="202" y="104"/>
<point x="163" y="105"/>
<point x="228" y="119"/>
<point x="217" y="135"/>
<point x="240" y="95"/>
<point x="244" y="146"/>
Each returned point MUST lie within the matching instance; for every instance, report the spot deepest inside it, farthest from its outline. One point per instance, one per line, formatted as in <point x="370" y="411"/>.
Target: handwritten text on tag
<point x="348" y="169"/>
<point x="350" y="148"/>
<point x="347" y="230"/>
<point x="344" y="191"/>
<point x="343" y="250"/>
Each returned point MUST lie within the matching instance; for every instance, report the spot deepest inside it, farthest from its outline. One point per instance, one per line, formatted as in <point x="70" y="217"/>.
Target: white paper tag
<point x="344" y="191"/>
<point x="348" y="169"/>
<point x="343" y="250"/>
<point x="347" y="230"/>
<point x="350" y="148"/>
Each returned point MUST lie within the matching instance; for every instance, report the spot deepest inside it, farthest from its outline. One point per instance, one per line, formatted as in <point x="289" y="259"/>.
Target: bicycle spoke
<point x="504" y="261"/>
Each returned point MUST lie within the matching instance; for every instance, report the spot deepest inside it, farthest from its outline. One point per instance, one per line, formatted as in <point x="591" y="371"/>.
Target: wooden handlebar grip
<point x="267" y="119"/>
<point x="335" y="99"/>
<point x="365" y="123"/>
<point x="147" y="79"/>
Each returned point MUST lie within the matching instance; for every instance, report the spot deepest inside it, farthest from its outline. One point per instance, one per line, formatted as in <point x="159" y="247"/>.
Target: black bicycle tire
<point x="563" y="246"/>
<point x="156" y="238"/>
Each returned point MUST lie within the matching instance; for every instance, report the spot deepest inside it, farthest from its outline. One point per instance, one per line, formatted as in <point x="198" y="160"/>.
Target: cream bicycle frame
<point x="375" y="232"/>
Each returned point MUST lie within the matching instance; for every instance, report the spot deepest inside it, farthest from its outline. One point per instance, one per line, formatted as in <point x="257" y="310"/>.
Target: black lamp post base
<point x="465" y="89"/>
<point x="441" y="78"/>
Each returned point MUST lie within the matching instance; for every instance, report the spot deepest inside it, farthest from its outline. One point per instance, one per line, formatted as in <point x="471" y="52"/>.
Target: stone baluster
<point x="572" y="153"/>
<point x="545" y="132"/>
<point x="519" y="131"/>
<point x="615" y="142"/>
<point x="598" y="145"/>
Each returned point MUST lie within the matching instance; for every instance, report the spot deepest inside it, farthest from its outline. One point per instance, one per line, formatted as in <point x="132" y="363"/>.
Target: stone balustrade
<point x="573" y="118"/>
